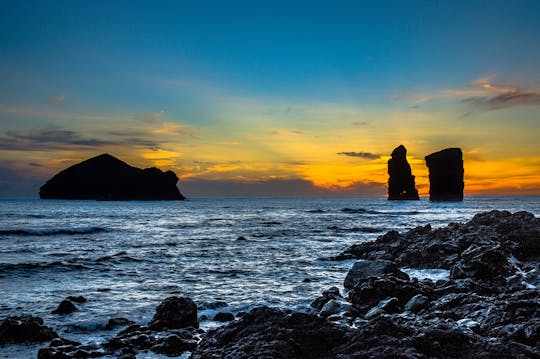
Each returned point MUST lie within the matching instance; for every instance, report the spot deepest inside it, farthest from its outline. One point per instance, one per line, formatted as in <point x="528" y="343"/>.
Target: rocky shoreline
<point x="489" y="307"/>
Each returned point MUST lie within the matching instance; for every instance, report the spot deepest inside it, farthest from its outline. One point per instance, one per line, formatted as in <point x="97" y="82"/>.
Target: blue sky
<point x="243" y="68"/>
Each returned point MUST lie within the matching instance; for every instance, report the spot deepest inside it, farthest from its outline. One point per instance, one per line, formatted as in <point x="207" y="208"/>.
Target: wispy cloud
<point x="57" y="99"/>
<point x="483" y="94"/>
<point x="365" y="155"/>
<point x="149" y="117"/>
<point x="287" y="132"/>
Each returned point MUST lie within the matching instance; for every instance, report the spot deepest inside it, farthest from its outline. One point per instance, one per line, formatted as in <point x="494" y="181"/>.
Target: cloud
<point x="481" y="95"/>
<point x="360" y="123"/>
<point x="57" y="99"/>
<point x="149" y="117"/>
<point x="365" y="155"/>
<point x="287" y="132"/>
<point x="59" y="139"/>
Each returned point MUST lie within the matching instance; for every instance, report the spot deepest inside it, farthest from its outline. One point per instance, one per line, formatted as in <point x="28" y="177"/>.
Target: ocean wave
<point x="51" y="231"/>
<point x="32" y="266"/>
<point x="359" y="210"/>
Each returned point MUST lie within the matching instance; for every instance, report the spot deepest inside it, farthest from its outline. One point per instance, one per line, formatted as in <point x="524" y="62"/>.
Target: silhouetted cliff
<point x="445" y="175"/>
<point x="401" y="182"/>
<point x="105" y="177"/>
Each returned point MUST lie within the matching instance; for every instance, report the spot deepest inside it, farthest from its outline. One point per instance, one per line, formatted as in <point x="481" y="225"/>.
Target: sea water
<point x="126" y="257"/>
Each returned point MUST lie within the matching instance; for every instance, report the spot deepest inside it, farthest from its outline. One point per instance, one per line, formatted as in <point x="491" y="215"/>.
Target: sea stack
<point x="105" y="177"/>
<point x="445" y="175"/>
<point x="401" y="182"/>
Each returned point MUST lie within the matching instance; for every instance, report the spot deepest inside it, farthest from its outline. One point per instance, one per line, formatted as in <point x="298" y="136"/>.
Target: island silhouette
<point x="105" y="177"/>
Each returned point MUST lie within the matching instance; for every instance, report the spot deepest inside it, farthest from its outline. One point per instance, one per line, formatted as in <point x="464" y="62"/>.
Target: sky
<point x="281" y="98"/>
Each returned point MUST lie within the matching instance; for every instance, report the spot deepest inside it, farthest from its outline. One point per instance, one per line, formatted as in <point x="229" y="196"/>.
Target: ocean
<point x="126" y="257"/>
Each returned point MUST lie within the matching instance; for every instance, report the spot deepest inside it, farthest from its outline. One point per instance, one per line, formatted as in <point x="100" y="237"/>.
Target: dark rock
<point x="175" y="312"/>
<point x="307" y="280"/>
<point x="401" y="182"/>
<point x="24" y="329"/>
<point x="224" y="317"/>
<point x="424" y="247"/>
<point x="241" y="238"/>
<point x="327" y="295"/>
<point x="65" y="307"/>
<point x="389" y="305"/>
<point x="362" y="270"/>
<point x="417" y="303"/>
<point x="77" y="299"/>
<point x="173" y="345"/>
<point x="271" y="333"/>
<point x="107" y="178"/>
<point x="482" y="263"/>
<point x="445" y="175"/>
<point x="118" y="322"/>
<point x="370" y="292"/>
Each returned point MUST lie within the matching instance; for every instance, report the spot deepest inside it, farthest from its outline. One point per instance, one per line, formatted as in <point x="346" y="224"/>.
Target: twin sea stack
<point x="445" y="176"/>
<point x="107" y="178"/>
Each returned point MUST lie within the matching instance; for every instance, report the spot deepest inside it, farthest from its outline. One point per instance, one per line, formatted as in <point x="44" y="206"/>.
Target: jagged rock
<point x="482" y="263"/>
<point x="24" y="329"/>
<point x="223" y="317"/>
<point x="271" y="333"/>
<point x="364" y="269"/>
<point x="445" y="175"/>
<point x="107" y="178"/>
<point x="173" y="345"/>
<point x="423" y="247"/>
<point x="401" y="182"/>
<point x="327" y="295"/>
<point x="77" y="298"/>
<point x="417" y="303"/>
<point x="118" y="322"/>
<point x="65" y="307"/>
<point x="175" y="312"/>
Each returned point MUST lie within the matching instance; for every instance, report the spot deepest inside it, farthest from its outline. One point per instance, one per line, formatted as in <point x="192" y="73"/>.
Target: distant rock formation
<point x="401" y="182"/>
<point x="445" y="175"/>
<point x="105" y="177"/>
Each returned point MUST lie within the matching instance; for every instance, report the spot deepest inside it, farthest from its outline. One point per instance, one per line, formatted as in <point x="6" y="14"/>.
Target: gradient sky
<point x="281" y="98"/>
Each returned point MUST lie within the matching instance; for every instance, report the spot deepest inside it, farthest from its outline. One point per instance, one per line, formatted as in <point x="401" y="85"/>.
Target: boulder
<point x="401" y="181"/>
<point x="107" y="178"/>
<point x="24" y="329"/>
<point x="223" y="317"/>
<point x="445" y="175"/>
<point x="175" y="312"/>
<point x="362" y="270"/>
<point x="65" y="307"/>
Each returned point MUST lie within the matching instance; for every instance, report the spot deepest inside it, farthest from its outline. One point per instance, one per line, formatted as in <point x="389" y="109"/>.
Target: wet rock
<point x="424" y="247"/>
<point x="375" y="289"/>
<point x="362" y="270"/>
<point x="105" y="177"/>
<point x="175" y="312"/>
<point x="389" y="305"/>
<point x="224" y="317"/>
<point x="213" y="305"/>
<point x="77" y="299"/>
<point x="327" y="295"/>
<point x="65" y="307"/>
<point x="24" y="329"/>
<point x="118" y="322"/>
<point x="334" y="306"/>
<point x="445" y="175"/>
<point x="271" y="333"/>
<point x="417" y="303"/>
<point x="173" y="345"/>
<point x="482" y="263"/>
<point x="401" y="182"/>
<point x="241" y="238"/>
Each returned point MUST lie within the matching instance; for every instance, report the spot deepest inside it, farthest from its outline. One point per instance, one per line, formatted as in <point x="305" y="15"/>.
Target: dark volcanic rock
<point x="422" y="247"/>
<point x="445" y="175"/>
<point x="175" y="312"/>
<point x="107" y="178"/>
<point x="224" y="317"/>
<point x="65" y="307"/>
<point x="271" y="333"/>
<point x="401" y="182"/>
<point x="118" y="322"/>
<point x="24" y="329"/>
<point x="364" y="269"/>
